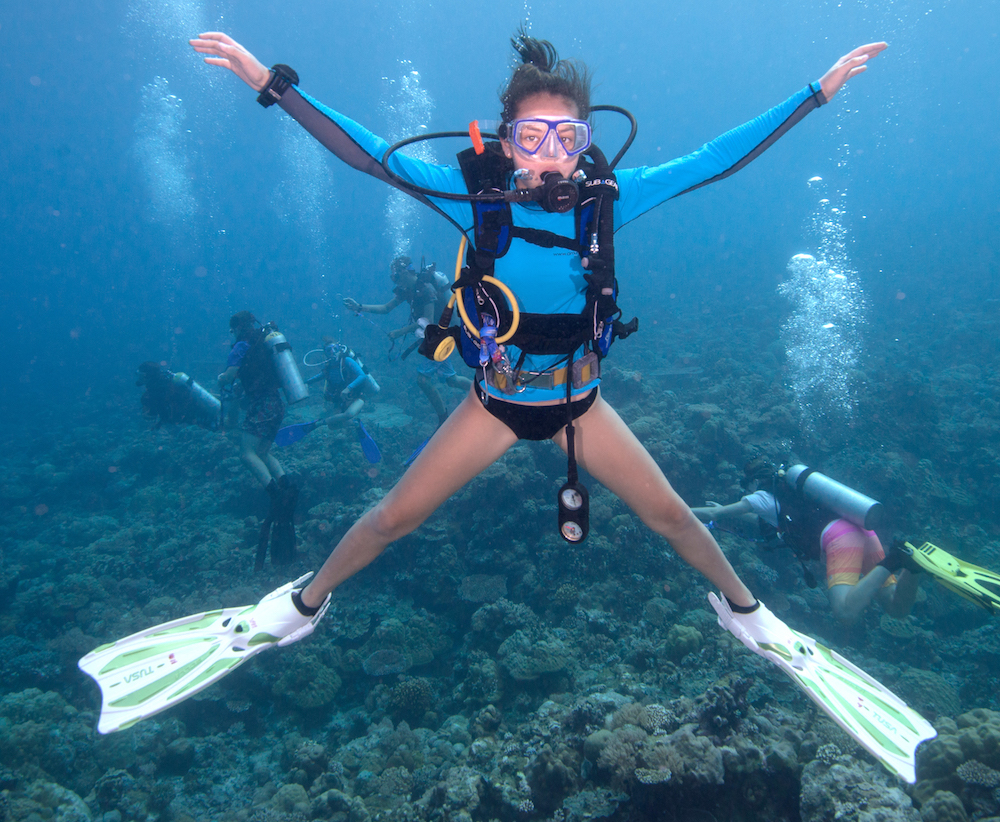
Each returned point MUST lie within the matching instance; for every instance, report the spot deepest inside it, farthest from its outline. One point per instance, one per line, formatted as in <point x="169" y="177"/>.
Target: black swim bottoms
<point x="535" y="422"/>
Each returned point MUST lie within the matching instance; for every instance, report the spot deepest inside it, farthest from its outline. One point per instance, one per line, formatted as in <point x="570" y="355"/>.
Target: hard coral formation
<point x="682" y="640"/>
<point x="527" y="655"/>
<point x="974" y="772"/>
<point x="943" y="806"/>
<point x="411" y="697"/>
<point x="853" y="790"/>
<point x="308" y="683"/>
<point x="386" y="662"/>
<point x="928" y="692"/>
<point x="482" y="588"/>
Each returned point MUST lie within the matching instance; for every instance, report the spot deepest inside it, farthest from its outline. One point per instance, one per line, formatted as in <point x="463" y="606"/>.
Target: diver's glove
<point x="900" y="557"/>
<point x="762" y="632"/>
<point x="277" y="615"/>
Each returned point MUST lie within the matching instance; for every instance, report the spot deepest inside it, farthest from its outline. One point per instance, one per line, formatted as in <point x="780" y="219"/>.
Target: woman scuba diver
<point x="556" y="268"/>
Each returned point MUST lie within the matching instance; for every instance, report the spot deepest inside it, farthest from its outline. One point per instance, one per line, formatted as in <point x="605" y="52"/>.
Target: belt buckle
<point x="590" y="360"/>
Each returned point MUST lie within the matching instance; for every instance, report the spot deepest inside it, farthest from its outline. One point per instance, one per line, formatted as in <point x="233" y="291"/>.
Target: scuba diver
<point x="426" y="292"/>
<point x="177" y="398"/>
<point x="537" y="299"/>
<point x="819" y="518"/>
<point x="259" y="359"/>
<point x="858" y="570"/>
<point x="348" y="381"/>
<point x="545" y="218"/>
<point x="549" y="258"/>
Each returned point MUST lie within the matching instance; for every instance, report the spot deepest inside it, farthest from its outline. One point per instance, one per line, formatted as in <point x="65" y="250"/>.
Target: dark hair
<point x="400" y="264"/>
<point x="148" y="371"/>
<point x="542" y="72"/>
<point x="243" y="323"/>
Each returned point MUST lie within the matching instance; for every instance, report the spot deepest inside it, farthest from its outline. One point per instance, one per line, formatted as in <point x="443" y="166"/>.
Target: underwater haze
<point x="835" y="303"/>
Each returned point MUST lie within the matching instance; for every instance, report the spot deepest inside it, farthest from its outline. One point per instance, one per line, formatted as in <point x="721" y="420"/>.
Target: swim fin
<point x="283" y="529"/>
<point x="293" y="433"/>
<point x="416" y="452"/>
<point x="368" y="446"/>
<point x="153" y="670"/>
<point x="874" y="716"/>
<point x="967" y="580"/>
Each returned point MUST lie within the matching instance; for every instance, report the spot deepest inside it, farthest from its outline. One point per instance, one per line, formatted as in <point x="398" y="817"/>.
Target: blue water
<point x="146" y="197"/>
<point x="96" y="275"/>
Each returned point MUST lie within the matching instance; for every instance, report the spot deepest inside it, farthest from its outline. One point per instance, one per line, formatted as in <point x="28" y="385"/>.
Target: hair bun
<point x="539" y="53"/>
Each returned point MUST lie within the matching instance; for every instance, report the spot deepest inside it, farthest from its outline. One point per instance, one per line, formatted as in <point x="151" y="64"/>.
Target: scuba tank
<point x="852" y="505"/>
<point x="208" y="406"/>
<point x="284" y="365"/>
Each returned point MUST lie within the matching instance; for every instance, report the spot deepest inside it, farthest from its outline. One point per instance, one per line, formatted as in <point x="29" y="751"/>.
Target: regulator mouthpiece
<point x="556" y="194"/>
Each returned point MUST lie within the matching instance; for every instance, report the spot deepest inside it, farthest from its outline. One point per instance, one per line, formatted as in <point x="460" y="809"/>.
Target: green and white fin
<point x="154" y="669"/>
<point x="874" y="716"/>
<point x="978" y="585"/>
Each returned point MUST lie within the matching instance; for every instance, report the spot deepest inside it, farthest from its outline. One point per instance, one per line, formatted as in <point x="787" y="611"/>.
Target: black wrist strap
<point x="282" y="77"/>
<point x="300" y="606"/>
<point x="743" y="609"/>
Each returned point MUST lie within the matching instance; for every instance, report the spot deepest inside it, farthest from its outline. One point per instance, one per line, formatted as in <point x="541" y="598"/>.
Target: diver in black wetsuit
<point x="250" y="362"/>
<point x="176" y="398"/>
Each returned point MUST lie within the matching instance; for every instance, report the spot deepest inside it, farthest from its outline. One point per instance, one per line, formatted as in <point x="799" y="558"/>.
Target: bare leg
<point x="469" y="441"/>
<point x="456" y="381"/>
<point x="254" y="452"/>
<point x="347" y="415"/>
<point x="850" y="601"/>
<point x="431" y="392"/>
<point x="610" y="452"/>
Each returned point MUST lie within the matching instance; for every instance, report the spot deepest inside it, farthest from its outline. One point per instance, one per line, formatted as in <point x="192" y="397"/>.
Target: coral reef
<point x="483" y="670"/>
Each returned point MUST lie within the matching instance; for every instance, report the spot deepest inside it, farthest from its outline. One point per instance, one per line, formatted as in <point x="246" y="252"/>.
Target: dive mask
<point x="555" y="139"/>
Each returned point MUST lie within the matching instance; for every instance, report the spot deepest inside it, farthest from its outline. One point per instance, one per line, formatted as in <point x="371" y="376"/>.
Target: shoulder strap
<point x="492" y="222"/>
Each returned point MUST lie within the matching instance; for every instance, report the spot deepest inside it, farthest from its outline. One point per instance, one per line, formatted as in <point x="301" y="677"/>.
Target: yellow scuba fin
<point x="976" y="584"/>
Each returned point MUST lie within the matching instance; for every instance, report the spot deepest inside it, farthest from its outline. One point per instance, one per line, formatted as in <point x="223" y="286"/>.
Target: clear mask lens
<point x="551" y="139"/>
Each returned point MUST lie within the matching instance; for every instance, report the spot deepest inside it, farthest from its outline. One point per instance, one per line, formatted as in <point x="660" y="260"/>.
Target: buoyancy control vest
<point x="257" y="372"/>
<point x="431" y="286"/>
<point x="598" y="325"/>
<point x="800" y="521"/>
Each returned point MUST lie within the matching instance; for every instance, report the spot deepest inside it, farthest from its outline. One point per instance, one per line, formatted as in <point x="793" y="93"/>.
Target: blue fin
<point x="293" y="433"/>
<point x="416" y="452"/>
<point x="368" y="446"/>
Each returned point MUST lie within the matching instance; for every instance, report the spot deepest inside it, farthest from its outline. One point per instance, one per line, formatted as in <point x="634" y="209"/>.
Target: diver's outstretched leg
<point x="433" y="397"/>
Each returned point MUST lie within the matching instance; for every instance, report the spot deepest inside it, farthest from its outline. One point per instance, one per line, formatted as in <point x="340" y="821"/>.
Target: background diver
<point x="177" y="398"/>
<point x="348" y="381"/>
<point x="857" y="568"/>
<point x="426" y="292"/>
<point x="819" y="517"/>
<point x="251" y="362"/>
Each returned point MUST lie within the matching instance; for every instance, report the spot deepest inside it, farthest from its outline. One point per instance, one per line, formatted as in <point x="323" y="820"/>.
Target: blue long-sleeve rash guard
<point x="335" y="375"/>
<point x="550" y="280"/>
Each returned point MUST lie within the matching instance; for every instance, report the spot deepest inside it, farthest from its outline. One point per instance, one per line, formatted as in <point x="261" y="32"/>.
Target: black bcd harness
<point x="598" y="325"/>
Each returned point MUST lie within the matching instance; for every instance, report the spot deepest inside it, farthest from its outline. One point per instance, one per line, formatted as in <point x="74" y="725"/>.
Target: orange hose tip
<point x="477" y="137"/>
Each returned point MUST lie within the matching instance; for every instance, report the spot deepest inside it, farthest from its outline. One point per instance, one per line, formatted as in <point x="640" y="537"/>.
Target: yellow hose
<point x="511" y="300"/>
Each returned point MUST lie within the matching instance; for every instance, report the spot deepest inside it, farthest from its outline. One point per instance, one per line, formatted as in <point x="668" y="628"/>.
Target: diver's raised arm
<point x="848" y="66"/>
<point x="224" y="51"/>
